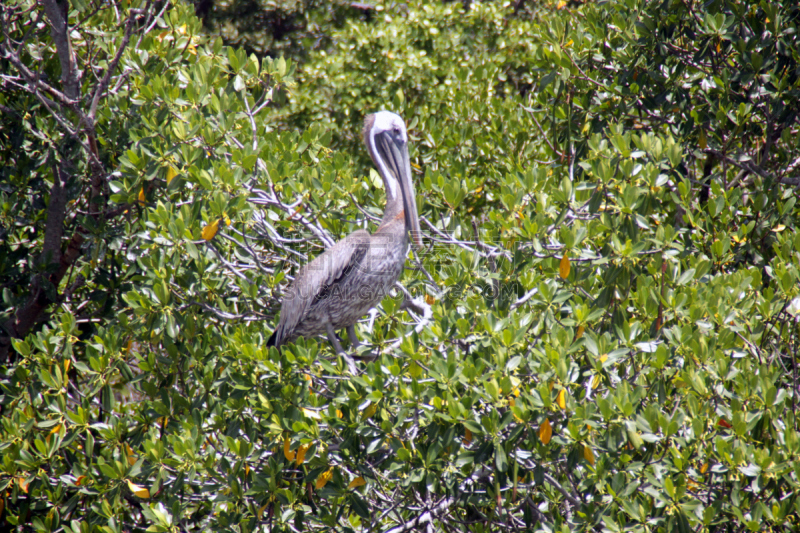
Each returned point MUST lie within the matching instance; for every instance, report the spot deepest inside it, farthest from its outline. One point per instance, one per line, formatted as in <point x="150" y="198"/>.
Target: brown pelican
<point x="338" y="287"/>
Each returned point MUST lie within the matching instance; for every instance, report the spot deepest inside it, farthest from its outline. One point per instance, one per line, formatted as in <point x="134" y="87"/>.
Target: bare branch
<point x="261" y="197"/>
<point x="35" y="83"/>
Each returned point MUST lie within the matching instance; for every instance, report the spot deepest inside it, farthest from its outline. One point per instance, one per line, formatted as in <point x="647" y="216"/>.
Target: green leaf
<point x="500" y="458"/>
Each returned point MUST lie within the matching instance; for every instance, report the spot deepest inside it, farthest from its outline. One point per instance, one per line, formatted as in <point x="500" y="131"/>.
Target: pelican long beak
<point x="395" y="154"/>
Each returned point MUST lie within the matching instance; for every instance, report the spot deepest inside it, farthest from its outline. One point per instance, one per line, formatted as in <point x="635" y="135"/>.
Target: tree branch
<point x="112" y="67"/>
<point x="59" y="30"/>
<point x="56" y="210"/>
<point x="426" y="517"/>
<point x="22" y="322"/>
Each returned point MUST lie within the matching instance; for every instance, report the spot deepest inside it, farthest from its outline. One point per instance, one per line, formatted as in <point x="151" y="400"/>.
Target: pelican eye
<point x="398" y="133"/>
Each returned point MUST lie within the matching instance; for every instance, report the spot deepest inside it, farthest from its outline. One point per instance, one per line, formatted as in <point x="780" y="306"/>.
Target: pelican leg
<point x="366" y="355"/>
<point x="351" y="332"/>
<point x="351" y="364"/>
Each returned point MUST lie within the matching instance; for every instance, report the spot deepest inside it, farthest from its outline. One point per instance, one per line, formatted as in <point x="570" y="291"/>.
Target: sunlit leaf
<point x="311" y="414"/>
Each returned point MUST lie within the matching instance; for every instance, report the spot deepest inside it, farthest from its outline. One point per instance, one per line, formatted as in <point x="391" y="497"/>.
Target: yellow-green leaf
<point x="324" y="478"/>
<point x="369" y="411"/>
<point x="138" y="490"/>
<point x="561" y="399"/>
<point x="301" y="454"/>
<point x="564" y="267"/>
<point x="210" y="230"/>
<point x="588" y="454"/>
<point x="129" y="453"/>
<point x="287" y="451"/>
<point x="545" y="431"/>
<point x="357" y="482"/>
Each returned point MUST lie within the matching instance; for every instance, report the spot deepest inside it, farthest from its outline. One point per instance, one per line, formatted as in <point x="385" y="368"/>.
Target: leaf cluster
<point x="600" y="332"/>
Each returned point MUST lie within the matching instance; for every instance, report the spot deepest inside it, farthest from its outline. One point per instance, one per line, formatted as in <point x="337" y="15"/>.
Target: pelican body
<point x="342" y="284"/>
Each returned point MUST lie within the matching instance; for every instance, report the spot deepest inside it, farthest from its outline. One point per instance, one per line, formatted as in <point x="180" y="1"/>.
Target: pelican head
<point x="387" y="141"/>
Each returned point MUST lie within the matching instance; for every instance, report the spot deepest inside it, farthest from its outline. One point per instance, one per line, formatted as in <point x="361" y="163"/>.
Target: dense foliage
<point x="601" y="332"/>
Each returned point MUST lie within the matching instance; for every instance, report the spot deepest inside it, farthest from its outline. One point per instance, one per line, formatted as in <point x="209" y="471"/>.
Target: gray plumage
<point x="342" y="284"/>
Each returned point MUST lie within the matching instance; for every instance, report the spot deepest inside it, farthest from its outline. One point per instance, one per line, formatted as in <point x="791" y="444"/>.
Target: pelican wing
<point x="315" y="280"/>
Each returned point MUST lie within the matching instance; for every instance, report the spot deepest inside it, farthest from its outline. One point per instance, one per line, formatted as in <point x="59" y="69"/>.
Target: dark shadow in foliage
<point x="291" y="29"/>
